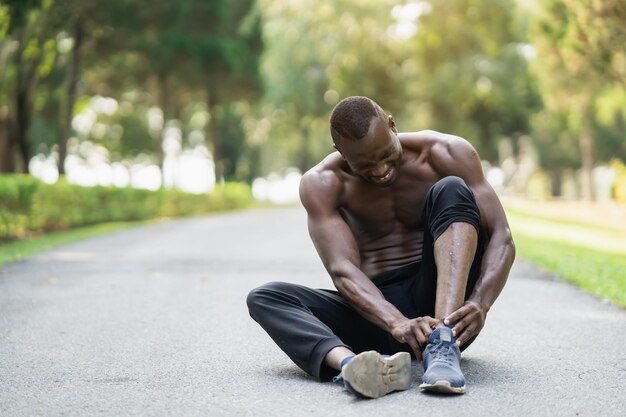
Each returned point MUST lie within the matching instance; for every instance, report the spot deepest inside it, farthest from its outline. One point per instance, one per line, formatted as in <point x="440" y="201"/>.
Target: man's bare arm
<point x="336" y="246"/>
<point x="457" y="157"/>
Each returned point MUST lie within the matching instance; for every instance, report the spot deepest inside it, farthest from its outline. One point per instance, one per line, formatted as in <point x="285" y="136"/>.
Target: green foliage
<point x="27" y="205"/>
<point x="174" y="53"/>
<point x="230" y="139"/>
<point x="124" y="134"/>
<point x="16" y="197"/>
<point x="462" y="69"/>
<point x="312" y="59"/>
<point x="598" y="272"/>
<point x="473" y="75"/>
<point x="581" y="244"/>
<point x="581" y="55"/>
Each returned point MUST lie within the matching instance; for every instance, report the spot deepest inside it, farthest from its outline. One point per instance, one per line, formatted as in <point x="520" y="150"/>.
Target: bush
<point x="16" y="196"/>
<point x="28" y="205"/>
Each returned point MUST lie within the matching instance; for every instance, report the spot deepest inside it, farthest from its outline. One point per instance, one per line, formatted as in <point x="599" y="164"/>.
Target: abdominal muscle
<point x="391" y="252"/>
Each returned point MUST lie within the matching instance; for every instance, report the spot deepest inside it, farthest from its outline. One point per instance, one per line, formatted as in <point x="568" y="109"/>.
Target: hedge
<point x="28" y="205"/>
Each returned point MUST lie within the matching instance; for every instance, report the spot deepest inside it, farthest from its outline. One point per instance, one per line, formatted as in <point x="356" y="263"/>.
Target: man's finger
<point x="459" y="327"/>
<point x="426" y="329"/>
<point x="456" y="315"/>
<point x="416" y="349"/>
<point x="465" y="335"/>
<point x="421" y="339"/>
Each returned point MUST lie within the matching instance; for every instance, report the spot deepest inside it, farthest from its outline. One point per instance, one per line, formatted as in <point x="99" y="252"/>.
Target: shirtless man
<point x="417" y="245"/>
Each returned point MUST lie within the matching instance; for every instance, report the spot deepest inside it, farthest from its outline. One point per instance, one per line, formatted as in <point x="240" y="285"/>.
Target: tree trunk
<point x="25" y="80"/>
<point x="22" y="108"/>
<point x="556" y="178"/>
<point x="160" y="137"/>
<point x="212" y="132"/>
<point x="7" y="148"/>
<point x="22" y="116"/>
<point x="72" y="83"/>
<point x="586" y="155"/>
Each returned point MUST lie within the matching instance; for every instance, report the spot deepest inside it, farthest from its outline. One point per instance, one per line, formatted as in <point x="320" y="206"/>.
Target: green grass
<point x="605" y="229"/>
<point x="592" y="258"/>
<point x="19" y="249"/>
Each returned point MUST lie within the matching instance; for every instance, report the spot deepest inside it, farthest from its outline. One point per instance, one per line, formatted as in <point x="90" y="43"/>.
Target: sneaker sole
<point x="442" y="387"/>
<point x="373" y="376"/>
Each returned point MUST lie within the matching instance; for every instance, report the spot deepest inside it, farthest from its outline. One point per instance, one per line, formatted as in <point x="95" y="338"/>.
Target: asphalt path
<point x="152" y="321"/>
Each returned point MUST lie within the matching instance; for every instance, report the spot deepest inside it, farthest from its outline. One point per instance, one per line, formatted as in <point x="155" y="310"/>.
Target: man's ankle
<point x="346" y="361"/>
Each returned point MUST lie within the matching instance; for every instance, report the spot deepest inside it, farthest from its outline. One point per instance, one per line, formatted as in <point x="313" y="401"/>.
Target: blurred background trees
<point x="246" y="87"/>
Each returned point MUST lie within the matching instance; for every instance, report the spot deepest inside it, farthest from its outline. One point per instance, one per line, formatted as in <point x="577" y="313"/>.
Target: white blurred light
<point x="146" y="177"/>
<point x="105" y="105"/>
<point x="528" y="51"/>
<point x="278" y="189"/>
<point x="172" y="140"/>
<point x="407" y="17"/>
<point x="99" y="130"/>
<point x="104" y="174"/>
<point x="120" y="176"/>
<point x="84" y="120"/>
<point x="81" y="174"/>
<point x="495" y="177"/>
<point x="195" y="173"/>
<point x="410" y="11"/>
<point x="196" y="137"/>
<point x="155" y="119"/>
<point x="44" y="168"/>
<point x="64" y="43"/>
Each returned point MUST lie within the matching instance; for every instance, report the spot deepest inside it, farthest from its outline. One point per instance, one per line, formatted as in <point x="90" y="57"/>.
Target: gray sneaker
<point x="373" y="375"/>
<point x="442" y="368"/>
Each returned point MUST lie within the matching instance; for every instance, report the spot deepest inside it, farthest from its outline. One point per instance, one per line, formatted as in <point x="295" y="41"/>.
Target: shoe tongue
<point x="441" y="334"/>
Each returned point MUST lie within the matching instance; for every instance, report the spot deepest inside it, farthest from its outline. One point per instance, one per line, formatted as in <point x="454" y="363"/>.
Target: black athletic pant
<point x="307" y="323"/>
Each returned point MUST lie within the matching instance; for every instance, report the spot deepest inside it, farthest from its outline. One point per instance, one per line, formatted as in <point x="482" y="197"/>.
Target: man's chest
<point x="374" y="212"/>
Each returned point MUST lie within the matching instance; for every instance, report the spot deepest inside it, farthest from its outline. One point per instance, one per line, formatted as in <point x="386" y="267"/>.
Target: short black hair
<point x="352" y="116"/>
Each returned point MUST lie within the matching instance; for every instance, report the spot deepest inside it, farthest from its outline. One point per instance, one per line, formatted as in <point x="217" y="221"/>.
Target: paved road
<point x="152" y="322"/>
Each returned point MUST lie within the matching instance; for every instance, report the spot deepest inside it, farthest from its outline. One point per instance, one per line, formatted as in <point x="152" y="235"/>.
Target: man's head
<point x="367" y="140"/>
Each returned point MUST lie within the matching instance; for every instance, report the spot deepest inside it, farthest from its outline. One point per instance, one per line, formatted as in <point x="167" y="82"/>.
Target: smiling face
<point x="376" y="157"/>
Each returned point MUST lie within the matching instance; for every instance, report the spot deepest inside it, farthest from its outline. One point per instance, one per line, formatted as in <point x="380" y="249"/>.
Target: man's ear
<point x="392" y="124"/>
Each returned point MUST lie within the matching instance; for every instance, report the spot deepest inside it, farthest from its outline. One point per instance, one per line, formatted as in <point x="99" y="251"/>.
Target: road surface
<point x="152" y="321"/>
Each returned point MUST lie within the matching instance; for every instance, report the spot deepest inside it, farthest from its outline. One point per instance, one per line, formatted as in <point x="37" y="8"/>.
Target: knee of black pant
<point x="263" y="295"/>
<point x="448" y="201"/>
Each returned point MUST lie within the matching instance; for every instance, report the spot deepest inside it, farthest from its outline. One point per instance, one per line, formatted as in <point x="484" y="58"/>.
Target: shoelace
<point x="441" y="352"/>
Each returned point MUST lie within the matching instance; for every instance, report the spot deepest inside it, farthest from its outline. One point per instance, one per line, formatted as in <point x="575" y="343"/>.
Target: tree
<point x="26" y="43"/>
<point x="312" y="60"/>
<point x="581" y="47"/>
<point x="472" y="75"/>
<point x="93" y="27"/>
<point x="189" y="47"/>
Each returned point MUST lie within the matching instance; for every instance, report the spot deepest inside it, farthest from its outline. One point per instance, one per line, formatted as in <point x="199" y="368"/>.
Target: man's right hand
<point x="414" y="332"/>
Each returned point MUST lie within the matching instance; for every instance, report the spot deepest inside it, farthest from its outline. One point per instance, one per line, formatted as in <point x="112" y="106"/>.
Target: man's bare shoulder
<point x="322" y="185"/>
<point x="448" y="154"/>
<point x="433" y="140"/>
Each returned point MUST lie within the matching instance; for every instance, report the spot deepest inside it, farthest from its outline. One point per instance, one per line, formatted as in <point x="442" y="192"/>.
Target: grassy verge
<point x="19" y="249"/>
<point x="593" y="258"/>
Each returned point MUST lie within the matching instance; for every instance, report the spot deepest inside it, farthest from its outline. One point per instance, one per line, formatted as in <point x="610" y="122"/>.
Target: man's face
<point x="376" y="157"/>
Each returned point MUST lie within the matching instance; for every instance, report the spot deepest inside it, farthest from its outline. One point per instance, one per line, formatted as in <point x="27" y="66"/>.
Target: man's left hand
<point x="469" y="321"/>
